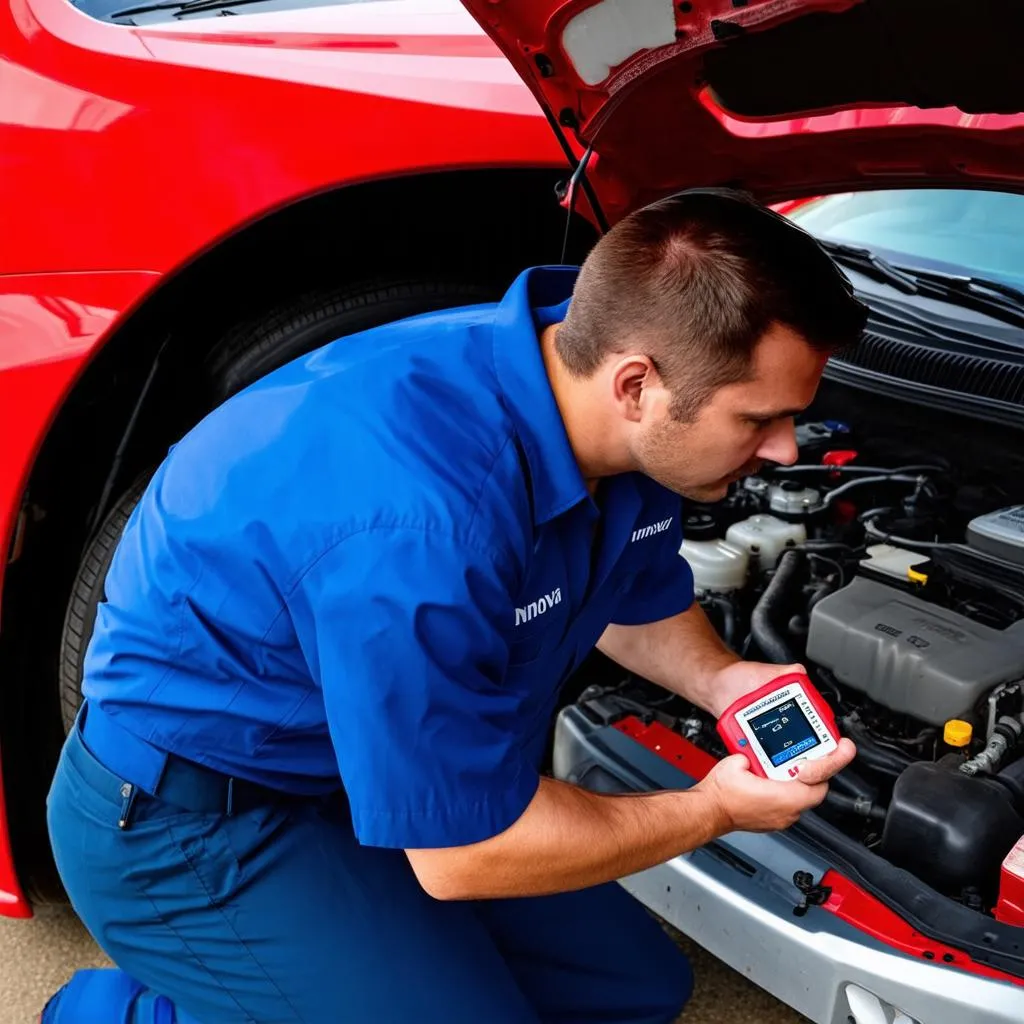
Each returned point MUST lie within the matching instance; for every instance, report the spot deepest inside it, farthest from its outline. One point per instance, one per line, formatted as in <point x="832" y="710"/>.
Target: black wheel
<point x="246" y="353"/>
<point x="86" y="595"/>
<point x="253" y="349"/>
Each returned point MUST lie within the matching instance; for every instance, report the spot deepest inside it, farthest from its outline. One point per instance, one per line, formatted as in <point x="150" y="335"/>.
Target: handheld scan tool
<point x="779" y="725"/>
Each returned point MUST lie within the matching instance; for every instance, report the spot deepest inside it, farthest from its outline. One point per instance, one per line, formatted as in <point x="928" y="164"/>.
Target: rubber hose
<point x="820" y="593"/>
<point x="870" y="755"/>
<point x="771" y="606"/>
<point x="728" y="613"/>
<point x="853" y="805"/>
<point x="850" y="783"/>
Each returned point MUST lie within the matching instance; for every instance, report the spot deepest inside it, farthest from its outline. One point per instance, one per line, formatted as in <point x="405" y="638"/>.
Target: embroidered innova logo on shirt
<point x="649" y="531"/>
<point x="538" y="607"/>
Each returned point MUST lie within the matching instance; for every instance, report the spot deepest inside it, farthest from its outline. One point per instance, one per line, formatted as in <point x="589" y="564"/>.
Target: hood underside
<point x="781" y="97"/>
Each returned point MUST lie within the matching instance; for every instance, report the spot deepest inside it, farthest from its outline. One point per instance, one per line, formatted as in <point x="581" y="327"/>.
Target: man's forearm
<point x="681" y="653"/>
<point x="569" y="838"/>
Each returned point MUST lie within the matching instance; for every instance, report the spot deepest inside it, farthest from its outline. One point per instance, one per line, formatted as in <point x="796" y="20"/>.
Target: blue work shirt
<point x="379" y="563"/>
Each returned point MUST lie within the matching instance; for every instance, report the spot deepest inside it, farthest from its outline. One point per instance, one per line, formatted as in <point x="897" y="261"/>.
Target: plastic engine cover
<point x="910" y="656"/>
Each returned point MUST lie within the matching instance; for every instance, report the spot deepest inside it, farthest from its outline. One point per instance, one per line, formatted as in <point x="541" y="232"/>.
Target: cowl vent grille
<point x="958" y="372"/>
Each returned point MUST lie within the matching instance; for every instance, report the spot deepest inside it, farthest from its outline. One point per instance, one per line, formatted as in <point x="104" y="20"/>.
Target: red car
<point x="191" y="199"/>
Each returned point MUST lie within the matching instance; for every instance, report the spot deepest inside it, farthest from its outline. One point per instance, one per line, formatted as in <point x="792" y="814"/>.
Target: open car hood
<point x="781" y="97"/>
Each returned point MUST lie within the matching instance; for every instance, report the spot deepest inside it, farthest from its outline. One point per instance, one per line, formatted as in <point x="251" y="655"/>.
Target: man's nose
<point x="780" y="444"/>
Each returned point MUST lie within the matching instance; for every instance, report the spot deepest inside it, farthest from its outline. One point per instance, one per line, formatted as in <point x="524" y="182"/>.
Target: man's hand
<point x="738" y="679"/>
<point x="751" y="804"/>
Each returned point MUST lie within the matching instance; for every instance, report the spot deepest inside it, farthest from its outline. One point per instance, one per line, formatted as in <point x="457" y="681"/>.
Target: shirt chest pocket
<point x="540" y="620"/>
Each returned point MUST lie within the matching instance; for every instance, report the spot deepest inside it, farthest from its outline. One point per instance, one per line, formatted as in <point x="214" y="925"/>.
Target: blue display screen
<point x="783" y="732"/>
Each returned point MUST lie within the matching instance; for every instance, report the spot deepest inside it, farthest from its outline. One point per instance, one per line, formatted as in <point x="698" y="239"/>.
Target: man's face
<point x="738" y="428"/>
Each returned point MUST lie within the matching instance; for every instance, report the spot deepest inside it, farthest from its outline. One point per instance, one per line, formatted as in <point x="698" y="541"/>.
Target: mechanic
<point x="306" y="782"/>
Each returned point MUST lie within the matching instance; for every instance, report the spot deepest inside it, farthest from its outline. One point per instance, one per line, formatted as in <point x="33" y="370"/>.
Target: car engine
<point x="898" y="581"/>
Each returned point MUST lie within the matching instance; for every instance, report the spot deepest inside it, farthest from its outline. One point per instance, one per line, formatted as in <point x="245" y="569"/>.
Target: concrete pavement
<point x="37" y="956"/>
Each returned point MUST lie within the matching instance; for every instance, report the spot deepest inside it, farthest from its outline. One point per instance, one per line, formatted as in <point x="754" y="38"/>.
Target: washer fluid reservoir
<point x="717" y="565"/>
<point x="765" y="536"/>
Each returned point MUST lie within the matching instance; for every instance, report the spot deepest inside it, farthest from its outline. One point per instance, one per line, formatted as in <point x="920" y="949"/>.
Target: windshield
<point x="134" y="12"/>
<point x="956" y="231"/>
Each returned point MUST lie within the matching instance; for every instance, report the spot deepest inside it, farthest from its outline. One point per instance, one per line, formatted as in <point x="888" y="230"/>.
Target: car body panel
<point x="49" y="324"/>
<point x="128" y="152"/>
<point x="637" y="82"/>
<point x="152" y="144"/>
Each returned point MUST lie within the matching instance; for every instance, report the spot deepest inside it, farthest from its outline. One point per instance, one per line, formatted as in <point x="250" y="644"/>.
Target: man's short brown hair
<point x="694" y="281"/>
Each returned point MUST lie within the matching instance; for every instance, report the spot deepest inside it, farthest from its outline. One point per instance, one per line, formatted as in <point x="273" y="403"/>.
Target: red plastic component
<point x="850" y="902"/>
<point x="840" y="457"/>
<point x="732" y="735"/>
<point x="847" y="899"/>
<point x="669" y="745"/>
<point x="844" y="512"/>
<point x="1010" y="908"/>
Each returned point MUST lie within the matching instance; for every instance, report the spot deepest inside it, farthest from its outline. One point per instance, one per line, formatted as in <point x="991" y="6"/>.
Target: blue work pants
<point x="277" y="914"/>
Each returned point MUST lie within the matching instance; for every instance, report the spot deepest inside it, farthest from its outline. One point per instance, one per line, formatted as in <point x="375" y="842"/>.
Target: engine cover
<point x="910" y="656"/>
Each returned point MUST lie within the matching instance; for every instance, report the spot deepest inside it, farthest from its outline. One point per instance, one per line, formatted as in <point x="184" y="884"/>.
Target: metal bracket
<point x="813" y="895"/>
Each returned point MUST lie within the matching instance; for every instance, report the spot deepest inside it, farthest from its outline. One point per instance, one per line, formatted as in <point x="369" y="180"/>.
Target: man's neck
<point x="585" y="424"/>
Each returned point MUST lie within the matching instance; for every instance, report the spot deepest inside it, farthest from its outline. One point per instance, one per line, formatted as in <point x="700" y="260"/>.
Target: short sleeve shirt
<point x="375" y="567"/>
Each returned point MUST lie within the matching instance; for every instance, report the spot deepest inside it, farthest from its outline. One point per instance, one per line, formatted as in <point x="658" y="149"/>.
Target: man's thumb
<point x="813" y="772"/>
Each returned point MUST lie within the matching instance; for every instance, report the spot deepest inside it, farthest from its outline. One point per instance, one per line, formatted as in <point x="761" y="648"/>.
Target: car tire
<point x="86" y="595"/>
<point x="245" y="353"/>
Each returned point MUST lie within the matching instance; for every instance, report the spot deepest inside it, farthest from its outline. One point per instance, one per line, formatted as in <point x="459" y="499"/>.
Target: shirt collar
<point x="538" y="297"/>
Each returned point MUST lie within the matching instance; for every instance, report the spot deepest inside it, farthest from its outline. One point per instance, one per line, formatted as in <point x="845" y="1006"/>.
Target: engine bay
<point x="896" y="577"/>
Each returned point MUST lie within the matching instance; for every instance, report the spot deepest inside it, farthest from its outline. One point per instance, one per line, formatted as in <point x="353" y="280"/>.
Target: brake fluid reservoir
<point x="765" y="536"/>
<point x="717" y="565"/>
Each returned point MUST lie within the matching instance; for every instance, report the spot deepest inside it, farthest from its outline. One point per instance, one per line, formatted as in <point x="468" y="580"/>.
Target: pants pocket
<point x="210" y="858"/>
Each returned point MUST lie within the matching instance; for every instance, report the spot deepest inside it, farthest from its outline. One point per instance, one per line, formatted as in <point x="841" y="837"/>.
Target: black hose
<point x="772" y="605"/>
<point x="870" y="754"/>
<point x="821" y="591"/>
<point x="852" y="470"/>
<point x="728" y="613"/>
<point x="825" y="681"/>
<point x="854" y="805"/>
<point x="852" y="784"/>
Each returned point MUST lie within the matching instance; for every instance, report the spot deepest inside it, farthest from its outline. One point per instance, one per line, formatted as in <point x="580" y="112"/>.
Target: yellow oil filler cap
<point x="917" y="576"/>
<point x="957" y="733"/>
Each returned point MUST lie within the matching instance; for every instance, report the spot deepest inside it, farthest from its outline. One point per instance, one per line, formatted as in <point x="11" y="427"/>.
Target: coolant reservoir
<point x="716" y="564"/>
<point x="765" y="536"/>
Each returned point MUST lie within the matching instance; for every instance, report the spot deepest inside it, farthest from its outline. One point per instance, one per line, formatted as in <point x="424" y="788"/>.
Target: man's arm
<point x="569" y="838"/>
<point x="682" y="653"/>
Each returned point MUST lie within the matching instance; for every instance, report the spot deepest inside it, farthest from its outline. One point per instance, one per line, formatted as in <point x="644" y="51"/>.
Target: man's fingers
<point x="815" y="794"/>
<point x="813" y="772"/>
<point x="736" y="762"/>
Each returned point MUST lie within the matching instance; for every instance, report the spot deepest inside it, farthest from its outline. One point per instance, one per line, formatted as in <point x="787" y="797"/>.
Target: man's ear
<point x="631" y="375"/>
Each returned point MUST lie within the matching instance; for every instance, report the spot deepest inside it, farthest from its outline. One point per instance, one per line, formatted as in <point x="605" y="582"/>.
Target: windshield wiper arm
<point x="978" y="293"/>
<point x="867" y="262"/>
<point x="179" y="6"/>
<point x="982" y="287"/>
